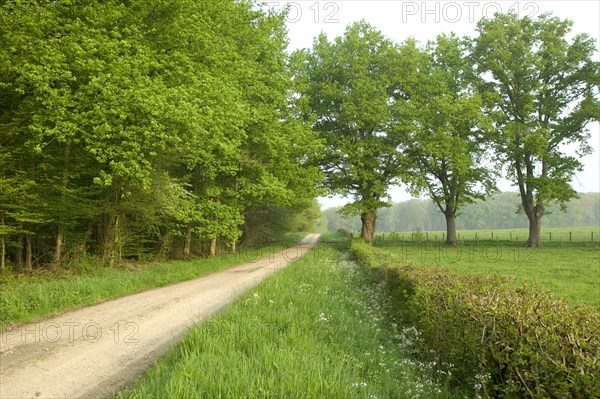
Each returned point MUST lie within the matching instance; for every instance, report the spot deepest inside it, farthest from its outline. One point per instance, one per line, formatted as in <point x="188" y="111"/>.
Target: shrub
<point x="344" y="232"/>
<point x="507" y="342"/>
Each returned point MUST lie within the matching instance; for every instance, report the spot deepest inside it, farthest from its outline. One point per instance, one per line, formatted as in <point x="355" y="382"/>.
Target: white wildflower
<point x="359" y="385"/>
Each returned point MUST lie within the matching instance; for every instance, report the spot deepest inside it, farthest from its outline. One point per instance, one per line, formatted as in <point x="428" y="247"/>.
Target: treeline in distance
<point x="501" y="211"/>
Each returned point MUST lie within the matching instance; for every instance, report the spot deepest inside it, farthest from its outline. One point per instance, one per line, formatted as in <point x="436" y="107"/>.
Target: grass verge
<point x="24" y="298"/>
<point x="314" y="330"/>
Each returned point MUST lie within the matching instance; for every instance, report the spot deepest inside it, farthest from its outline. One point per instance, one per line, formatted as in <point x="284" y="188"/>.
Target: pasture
<point x="568" y="264"/>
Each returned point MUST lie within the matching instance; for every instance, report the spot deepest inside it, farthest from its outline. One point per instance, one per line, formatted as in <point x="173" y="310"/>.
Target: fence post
<point x="570" y="236"/>
<point x="550" y="233"/>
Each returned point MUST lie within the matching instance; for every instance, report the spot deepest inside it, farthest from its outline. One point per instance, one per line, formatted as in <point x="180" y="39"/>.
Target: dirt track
<point x="95" y="351"/>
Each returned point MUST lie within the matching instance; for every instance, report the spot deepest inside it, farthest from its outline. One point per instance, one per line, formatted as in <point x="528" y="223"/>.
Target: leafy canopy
<point x="353" y="89"/>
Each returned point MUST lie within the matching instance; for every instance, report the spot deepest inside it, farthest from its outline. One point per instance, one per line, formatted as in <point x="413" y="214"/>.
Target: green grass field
<point x="23" y="297"/>
<point x="568" y="264"/>
<point x="314" y="330"/>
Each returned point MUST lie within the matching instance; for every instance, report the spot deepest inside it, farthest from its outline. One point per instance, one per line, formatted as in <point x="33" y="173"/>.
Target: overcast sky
<point x="424" y="20"/>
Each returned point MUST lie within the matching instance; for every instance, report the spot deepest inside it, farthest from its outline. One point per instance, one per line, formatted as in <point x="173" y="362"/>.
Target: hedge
<point x="510" y="342"/>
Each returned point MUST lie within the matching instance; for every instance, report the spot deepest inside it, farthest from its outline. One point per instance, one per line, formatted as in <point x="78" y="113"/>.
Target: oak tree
<point x="448" y="144"/>
<point x="542" y="87"/>
<point x="353" y="89"/>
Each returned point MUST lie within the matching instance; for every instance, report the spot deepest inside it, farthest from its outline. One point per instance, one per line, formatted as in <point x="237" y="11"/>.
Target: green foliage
<point x="447" y="158"/>
<point x="391" y="113"/>
<point x="542" y="91"/>
<point x="137" y="126"/>
<point x="266" y="224"/>
<point x="509" y="342"/>
<point x="352" y="92"/>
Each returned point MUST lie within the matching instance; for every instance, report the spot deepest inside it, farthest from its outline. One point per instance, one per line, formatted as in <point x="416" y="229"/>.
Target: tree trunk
<point x="116" y="250"/>
<point x="233" y="246"/>
<point x="28" y="254"/>
<point x="2" y="254"/>
<point x="2" y="248"/>
<point x="112" y="243"/>
<point x="104" y="236"/>
<point x="368" y="226"/>
<point x="60" y="235"/>
<point x="58" y="248"/>
<point x="83" y="246"/>
<point x="187" y="246"/>
<point x="535" y="228"/>
<point x="213" y="247"/>
<point x="534" y="212"/>
<point x="165" y="245"/>
<point x="450" y="228"/>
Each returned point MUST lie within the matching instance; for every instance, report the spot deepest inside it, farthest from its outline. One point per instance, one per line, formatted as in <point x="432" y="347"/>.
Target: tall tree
<point x="353" y="88"/>
<point x="448" y="144"/>
<point x="275" y="168"/>
<point x="544" y="91"/>
<point x="139" y="123"/>
<point x="38" y="87"/>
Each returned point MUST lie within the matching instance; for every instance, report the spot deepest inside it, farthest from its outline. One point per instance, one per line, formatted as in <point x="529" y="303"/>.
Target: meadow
<point x="568" y="264"/>
<point x="26" y="297"/>
<point x="316" y="329"/>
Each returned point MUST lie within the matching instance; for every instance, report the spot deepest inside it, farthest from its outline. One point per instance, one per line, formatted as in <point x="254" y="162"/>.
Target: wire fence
<point x="561" y="236"/>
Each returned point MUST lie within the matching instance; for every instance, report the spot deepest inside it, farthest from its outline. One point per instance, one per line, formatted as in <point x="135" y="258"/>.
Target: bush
<point x="344" y="232"/>
<point x="506" y="342"/>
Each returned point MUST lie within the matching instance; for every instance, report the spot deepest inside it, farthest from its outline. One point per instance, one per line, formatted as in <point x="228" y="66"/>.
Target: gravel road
<point x="96" y="351"/>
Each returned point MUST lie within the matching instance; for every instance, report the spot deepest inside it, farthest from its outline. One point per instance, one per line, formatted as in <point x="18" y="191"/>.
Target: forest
<point x="133" y="129"/>
<point x="500" y="211"/>
<point x="165" y="129"/>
